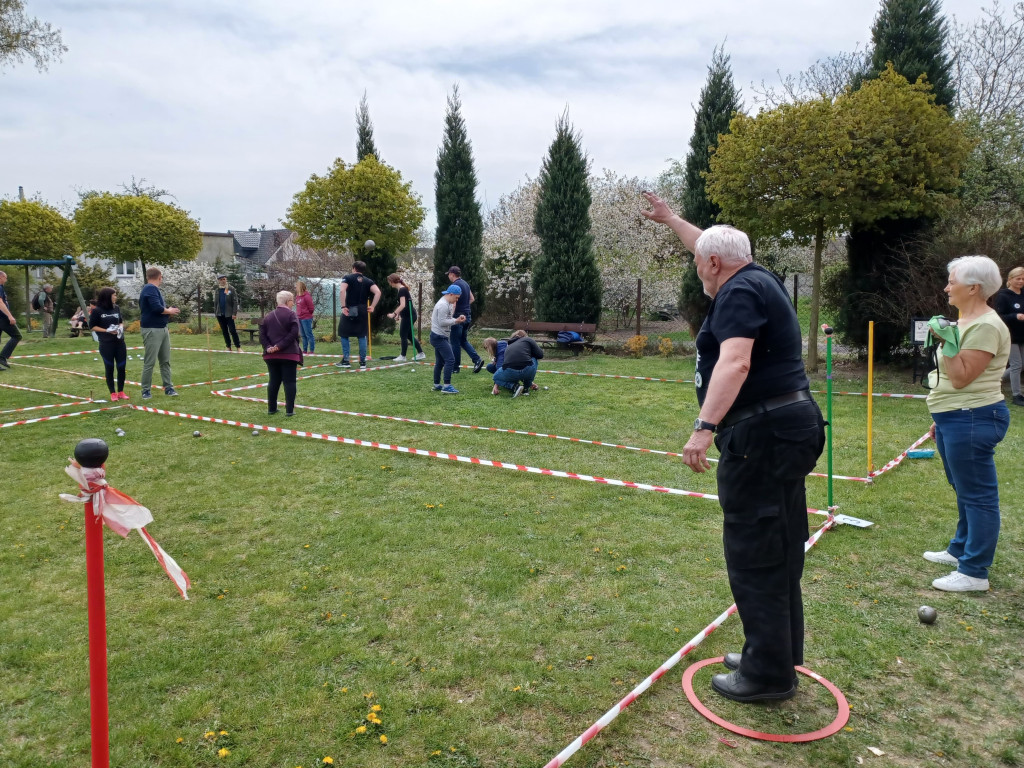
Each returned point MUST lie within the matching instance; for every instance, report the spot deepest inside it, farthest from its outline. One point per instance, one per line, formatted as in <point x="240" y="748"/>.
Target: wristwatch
<point x="699" y="424"/>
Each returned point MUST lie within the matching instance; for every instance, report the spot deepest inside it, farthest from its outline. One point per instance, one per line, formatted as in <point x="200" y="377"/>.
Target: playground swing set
<point x="67" y="266"/>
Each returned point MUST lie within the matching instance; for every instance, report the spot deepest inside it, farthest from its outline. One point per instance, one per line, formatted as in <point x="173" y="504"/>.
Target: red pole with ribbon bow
<point x="122" y="514"/>
<point x="93" y="453"/>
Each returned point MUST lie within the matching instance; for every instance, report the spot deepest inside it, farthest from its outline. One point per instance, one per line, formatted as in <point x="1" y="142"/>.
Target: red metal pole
<point x="98" y="703"/>
<point x="93" y="453"/>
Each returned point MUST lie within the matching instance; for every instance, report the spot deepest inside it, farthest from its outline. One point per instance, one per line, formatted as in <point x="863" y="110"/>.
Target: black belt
<point x="763" y="406"/>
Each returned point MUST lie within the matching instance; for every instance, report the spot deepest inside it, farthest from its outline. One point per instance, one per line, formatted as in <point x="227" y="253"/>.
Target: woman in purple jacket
<point x="279" y="337"/>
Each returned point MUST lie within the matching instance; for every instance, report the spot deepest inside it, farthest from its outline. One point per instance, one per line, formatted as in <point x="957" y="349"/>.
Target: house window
<point x="125" y="269"/>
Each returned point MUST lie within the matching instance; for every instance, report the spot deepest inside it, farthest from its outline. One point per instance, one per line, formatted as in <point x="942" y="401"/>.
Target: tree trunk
<point x="812" y="332"/>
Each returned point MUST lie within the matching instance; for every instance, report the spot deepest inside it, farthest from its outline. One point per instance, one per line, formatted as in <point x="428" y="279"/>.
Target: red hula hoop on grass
<point x="842" y="716"/>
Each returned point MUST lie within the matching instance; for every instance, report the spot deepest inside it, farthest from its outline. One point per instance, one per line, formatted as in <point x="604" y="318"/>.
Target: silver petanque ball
<point x="927" y="614"/>
<point x="255" y="432"/>
<point x="545" y="388"/>
<point x="197" y="433"/>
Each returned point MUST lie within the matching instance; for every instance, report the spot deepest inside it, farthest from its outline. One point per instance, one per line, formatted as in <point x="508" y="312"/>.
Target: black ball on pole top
<point x="92" y="452"/>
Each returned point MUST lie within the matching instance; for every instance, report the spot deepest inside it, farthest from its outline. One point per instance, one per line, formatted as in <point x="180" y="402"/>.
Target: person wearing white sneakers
<point x="406" y="316"/>
<point x="970" y="419"/>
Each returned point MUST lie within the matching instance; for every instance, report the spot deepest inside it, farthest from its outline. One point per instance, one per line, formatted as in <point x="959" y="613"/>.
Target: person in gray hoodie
<point x="441" y="322"/>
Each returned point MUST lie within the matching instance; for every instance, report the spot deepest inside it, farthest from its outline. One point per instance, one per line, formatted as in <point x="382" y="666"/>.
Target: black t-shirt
<point x="754" y="305"/>
<point x="358" y="290"/>
<point x="104" y="318"/>
<point x="403" y="292"/>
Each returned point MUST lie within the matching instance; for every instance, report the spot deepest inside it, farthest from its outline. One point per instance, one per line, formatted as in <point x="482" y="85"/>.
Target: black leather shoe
<point x="478" y="365"/>
<point x="732" y="661"/>
<point x="738" y="688"/>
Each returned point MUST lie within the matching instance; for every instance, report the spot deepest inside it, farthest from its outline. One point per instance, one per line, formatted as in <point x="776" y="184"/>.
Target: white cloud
<point x="231" y="105"/>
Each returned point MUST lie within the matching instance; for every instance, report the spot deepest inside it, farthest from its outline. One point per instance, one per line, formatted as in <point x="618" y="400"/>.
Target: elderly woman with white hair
<point x="970" y="419"/>
<point x="279" y="337"/>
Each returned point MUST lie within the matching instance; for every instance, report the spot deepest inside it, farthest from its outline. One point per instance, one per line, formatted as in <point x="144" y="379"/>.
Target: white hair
<point x="283" y="297"/>
<point x="977" y="270"/>
<point x="728" y="243"/>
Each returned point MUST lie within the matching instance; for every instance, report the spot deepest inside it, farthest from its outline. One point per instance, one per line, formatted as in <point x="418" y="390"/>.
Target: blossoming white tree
<point x="627" y="247"/>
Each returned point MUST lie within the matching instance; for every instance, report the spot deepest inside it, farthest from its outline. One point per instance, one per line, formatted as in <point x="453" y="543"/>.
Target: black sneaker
<point x="170" y="392"/>
<point x="362" y="365"/>
<point x="343" y="364"/>
<point x="478" y="365"/>
<point x="1018" y="399"/>
<point x="4" y="365"/>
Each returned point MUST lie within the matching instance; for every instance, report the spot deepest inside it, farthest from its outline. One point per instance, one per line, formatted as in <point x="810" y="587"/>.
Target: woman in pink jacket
<point x="304" y="308"/>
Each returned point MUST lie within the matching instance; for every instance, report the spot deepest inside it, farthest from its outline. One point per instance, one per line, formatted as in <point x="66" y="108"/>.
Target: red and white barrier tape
<point x="899" y="459"/>
<point x="61" y="416"/>
<point x="240" y="352"/>
<point x="72" y="373"/>
<point x="242" y="378"/>
<point x="440" y="455"/>
<point x="51" y="405"/>
<point x="263" y="385"/>
<point x="43" y="391"/>
<point x="633" y="695"/>
<point x="63" y="354"/>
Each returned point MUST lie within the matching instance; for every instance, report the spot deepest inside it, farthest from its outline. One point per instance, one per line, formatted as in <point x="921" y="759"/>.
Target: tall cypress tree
<point x="460" y="228"/>
<point x="566" y="280"/>
<point x="364" y="131"/>
<point x="719" y="101"/>
<point x="912" y="35"/>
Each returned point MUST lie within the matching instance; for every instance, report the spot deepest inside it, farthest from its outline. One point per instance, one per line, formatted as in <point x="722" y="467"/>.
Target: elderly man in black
<point x="755" y="403"/>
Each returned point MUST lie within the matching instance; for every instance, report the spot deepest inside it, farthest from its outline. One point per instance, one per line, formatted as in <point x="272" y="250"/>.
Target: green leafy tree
<point x="23" y="37"/>
<point x="130" y="228"/>
<point x="364" y="131"/>
<point x="912" y="35"/>
<point x="351" y="204"/>
<point x="31" y="229"/>
<point x="566" y="280"/>
<point x="459" y="238"/>
<point x="719" y="101"/>
<point x="806" y="171"/>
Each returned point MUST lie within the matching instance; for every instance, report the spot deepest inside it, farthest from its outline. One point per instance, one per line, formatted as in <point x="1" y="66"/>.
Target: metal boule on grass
<point x="197" y="433"/>
<point x="927" y="614"/>
<point x="255" y="432"/>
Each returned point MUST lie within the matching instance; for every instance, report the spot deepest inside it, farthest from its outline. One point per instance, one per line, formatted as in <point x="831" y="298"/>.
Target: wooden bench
<point x="251" y="331"/>
<point x="587" y="330"/>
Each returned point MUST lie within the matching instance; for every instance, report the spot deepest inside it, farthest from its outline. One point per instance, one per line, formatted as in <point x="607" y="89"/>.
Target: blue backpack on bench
<point x="569" y="337"/>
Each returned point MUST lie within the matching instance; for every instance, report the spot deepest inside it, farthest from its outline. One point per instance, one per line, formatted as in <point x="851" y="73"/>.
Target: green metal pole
<point x="828" y="403"/>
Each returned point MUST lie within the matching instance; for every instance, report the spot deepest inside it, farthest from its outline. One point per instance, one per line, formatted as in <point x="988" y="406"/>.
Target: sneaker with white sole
<point x="421" y="355"/>
<point x="400" y="359"/>
<point x="437" y="387"/>
<point x="146" y="395"/>
<point x="960" y="582"/>
<point x="448" y="389"/>
<point x="518" y="391"/>
<point x="941" y="557"/>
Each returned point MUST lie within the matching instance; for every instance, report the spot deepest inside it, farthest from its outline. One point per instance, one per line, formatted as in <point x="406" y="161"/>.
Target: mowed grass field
<point x="491" y="615"/>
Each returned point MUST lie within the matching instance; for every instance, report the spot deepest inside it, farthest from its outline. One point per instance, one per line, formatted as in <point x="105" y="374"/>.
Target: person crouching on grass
<point x="496" y="349"/>
<point x="441" y="322"/>
<point x="520" y="365"/>
<point x="279" y="337"/>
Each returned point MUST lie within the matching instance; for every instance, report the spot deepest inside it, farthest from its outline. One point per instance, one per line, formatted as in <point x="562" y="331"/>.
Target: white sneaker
<point x="421" y="356"/>
<point x="400" y="359"/>
<point x="941" y="557"/>
<point x="960" y="582"/>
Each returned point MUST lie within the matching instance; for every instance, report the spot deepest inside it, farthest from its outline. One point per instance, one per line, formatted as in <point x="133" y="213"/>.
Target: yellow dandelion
<point x="344" y="690"/>
<point x="517" y="688"/>
<point x="209" y="735"/>
<point x="590" y="658"/>
<point x="305" y="546"/>
<point x="361" y="729"/>
<point x="179" y="740"/>
<point x="383" y="739"/>
<point x="453" y="748"/>
<point x="223" y="752"/>
<point x="369" y="695"/>
<point x="222" y="733"/>
<point x="220" y="597"/>
<point x="328" y="760"/>
<point x="376" y="708"/>
<point x="436" y="753"/>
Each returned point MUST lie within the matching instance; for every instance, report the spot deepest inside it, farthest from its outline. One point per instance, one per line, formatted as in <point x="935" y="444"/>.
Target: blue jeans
<point x="967" y="441"/>
<point x="509" y="377"/>
<point x="444" y="359"/>
<point x="345" y="348"/>
<point x="459" y="342"/>
<point x="308" y="340"/>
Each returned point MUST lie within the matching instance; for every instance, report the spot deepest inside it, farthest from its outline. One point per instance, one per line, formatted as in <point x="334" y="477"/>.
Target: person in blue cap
<point x="441" y="321"/>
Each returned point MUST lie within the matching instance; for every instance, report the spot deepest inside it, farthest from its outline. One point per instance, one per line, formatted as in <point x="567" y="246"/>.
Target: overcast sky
<point x="232" y="104"/>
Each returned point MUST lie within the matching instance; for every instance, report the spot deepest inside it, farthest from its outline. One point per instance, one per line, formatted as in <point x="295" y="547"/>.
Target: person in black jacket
<point x="519" y="367"/>
<point x="1010" y="307"/>
<point x="108" y="324"/>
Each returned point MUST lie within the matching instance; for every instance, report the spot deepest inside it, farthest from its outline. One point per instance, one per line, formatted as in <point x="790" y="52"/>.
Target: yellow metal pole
<point x="871" y="390"/>
<point x="369" y="331"/>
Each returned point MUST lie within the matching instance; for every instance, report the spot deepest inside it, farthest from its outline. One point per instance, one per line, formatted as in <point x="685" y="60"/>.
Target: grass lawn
<point x="491" y="615"/>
